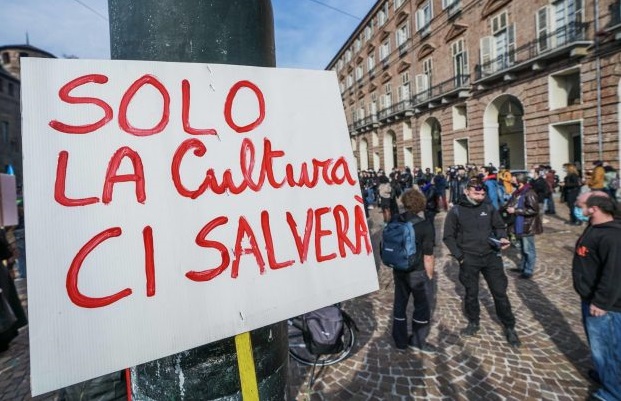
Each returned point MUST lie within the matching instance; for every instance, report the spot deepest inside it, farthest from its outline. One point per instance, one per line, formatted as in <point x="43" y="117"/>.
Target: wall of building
<point x="545" y="132"/>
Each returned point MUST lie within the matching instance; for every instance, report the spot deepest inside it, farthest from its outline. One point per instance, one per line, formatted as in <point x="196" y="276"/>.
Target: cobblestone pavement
<point x="15" y="364"/>
<point x="551" y="364"/>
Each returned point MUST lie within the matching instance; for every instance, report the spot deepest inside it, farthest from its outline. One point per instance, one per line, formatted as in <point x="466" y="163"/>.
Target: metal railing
<point x="564" y="36"/>
<point x="443" y="88"/>
<point x="365" y="122"/>
<point x="394" y="109"/>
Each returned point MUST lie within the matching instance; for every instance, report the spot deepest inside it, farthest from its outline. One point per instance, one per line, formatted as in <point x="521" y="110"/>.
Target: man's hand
<point x="510" y="210"/>
<point x="595" y="311"/>
<point x="504" y="243"/>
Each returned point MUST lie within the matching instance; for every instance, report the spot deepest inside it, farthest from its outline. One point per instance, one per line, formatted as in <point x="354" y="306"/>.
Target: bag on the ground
<point x="398" y="246"/>
<point x="7" y="317"/>
<point x="323" y="330"/>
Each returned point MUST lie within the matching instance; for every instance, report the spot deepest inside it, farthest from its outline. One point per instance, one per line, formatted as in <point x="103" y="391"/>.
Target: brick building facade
<point x="433" y="83"/>
<point x="10" y="113"/>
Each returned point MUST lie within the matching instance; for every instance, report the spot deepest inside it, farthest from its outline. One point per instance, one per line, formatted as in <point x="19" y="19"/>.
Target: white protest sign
<point x="171" y="205"/>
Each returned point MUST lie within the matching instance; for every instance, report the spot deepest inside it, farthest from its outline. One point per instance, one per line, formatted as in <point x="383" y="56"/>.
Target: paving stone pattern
<point x="551" y="364"/>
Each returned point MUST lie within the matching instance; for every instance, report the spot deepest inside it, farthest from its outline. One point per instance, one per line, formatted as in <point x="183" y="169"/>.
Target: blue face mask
<point x="579" y="215"/>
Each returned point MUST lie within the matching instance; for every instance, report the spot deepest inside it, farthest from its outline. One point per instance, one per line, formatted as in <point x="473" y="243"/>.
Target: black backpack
<point x="323" y="330"/>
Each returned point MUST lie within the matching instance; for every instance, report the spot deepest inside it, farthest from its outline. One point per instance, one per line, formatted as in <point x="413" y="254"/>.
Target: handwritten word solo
<point x="65" y="95"/>
<point x="354" y="240"/>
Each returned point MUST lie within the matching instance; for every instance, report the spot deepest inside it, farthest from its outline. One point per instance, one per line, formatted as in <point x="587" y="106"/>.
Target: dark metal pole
<point x="216" y="31"/>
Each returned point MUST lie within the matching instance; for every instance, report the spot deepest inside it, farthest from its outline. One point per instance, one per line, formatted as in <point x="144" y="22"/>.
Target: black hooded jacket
<point x="596" y="267"/>
<point x="467" y="228"/>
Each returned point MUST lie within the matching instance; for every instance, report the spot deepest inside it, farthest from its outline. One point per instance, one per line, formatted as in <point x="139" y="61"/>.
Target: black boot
<point x="471" y="329"/>
<point x="512" y="337"/>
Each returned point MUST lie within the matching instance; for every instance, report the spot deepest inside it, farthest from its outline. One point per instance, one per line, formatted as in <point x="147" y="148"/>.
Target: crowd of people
<point x="490" y="209"/>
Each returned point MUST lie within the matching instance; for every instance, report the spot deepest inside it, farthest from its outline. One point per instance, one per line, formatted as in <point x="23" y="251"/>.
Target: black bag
<point x="7" y="317"/>
<point x="323" y="330"/>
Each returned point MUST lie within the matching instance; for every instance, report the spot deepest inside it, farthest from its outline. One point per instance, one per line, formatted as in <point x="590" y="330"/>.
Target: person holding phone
<point x="475" y="234"/>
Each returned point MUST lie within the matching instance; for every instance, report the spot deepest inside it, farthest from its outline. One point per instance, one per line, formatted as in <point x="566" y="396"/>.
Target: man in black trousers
<point x="475" y="233"/>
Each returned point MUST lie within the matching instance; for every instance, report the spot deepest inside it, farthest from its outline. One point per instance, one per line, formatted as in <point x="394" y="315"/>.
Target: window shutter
<point x="511" y="44"/>
<point x="404" y="92"/>
<point x="542" y="23"/>
<point x="466" y="70"/>
<point x="420" y="20"/>
<point x="486" y="53"/>
<point x="421" y="83"/>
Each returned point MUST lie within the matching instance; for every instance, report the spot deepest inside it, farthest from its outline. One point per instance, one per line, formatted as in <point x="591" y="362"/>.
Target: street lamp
<point x="435" y="132"/>
<point x="509" y="118"/>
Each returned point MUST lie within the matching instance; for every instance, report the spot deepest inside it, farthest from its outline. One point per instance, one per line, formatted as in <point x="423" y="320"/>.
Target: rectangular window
<point x="371" y="62"/>
<point x="428" y="69"/>
<point x="357" y="45"/>
<point x="385" y="50"/>
<point x="359" y="72"/>
<point x="460" y="62"/>
<point x="368" y="32"/>
<point x="567" y="20"/>
<point x="423" y="17"/>
<point x="423" y="81"/>
<point x="498" y="50"/>
<point x="382" y="15"/>
<point x="404" y="89"/>
<point x="404" y="92"/>
<point x="499" y="22"/>
<point x="403" y="34"/>
<point x="387" y="96"/>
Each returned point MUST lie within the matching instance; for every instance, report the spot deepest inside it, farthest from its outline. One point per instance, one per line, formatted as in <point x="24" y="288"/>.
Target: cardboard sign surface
<point x="171" y="205"/>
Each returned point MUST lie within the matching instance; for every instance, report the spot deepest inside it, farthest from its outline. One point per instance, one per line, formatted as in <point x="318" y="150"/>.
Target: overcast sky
<point x="308" y="34"/>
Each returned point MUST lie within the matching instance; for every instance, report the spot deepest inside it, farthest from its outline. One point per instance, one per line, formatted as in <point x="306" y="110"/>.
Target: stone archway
<point x="431" y="144"/>
<point x="390" y="151"/>
<point x="363" y="154"/>
<point x="503" y="133"/>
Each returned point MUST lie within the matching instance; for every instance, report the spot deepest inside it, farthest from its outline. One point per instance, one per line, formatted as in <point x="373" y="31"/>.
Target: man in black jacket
<point x="469" y="232"/>
<point x="596" y="270"/>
